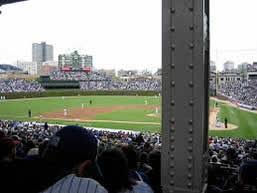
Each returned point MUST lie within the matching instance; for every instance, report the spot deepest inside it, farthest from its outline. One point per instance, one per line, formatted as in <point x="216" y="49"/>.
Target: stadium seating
<point x="229" y="157"/>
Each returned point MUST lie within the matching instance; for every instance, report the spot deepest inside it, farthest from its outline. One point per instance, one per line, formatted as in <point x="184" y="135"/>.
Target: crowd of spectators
<point x="244" y="92"/>
<point x="233" y="165"/>
<point x="78" y="76"/>
<point x="34" y="157"/>
<point x="38" y="157"/>
<point x="100" y="81"/>
<point x="136" y="84"/>
<point x="19" y="85"/>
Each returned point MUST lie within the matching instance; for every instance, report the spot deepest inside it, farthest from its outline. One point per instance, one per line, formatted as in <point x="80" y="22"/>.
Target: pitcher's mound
<point x="217" y="125"/>
<point x="153" y="115"/>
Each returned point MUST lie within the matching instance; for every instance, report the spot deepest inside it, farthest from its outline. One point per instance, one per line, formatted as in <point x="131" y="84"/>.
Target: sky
<point x="120" y="34"/>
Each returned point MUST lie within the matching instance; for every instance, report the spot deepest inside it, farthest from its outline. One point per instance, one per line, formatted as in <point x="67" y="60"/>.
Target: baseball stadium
<point x="67" y="125"/>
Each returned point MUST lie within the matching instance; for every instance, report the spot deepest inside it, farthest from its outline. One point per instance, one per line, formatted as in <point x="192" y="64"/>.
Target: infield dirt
<point x="89" y="113"/>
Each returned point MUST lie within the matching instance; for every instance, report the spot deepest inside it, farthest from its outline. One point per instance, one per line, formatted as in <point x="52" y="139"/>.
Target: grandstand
<point x="7" y="68"/>
<point x="36" y="156"/>
<point x="225" y="156"/>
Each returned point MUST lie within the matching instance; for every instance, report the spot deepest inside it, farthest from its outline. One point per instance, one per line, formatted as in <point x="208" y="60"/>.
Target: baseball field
<point x="141" y="113"/>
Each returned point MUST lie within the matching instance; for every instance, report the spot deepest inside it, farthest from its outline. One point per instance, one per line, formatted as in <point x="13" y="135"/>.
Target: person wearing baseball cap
<point x="71" y="145"/>
<point x="67" y="164"/>
<point x="73" y="150"/>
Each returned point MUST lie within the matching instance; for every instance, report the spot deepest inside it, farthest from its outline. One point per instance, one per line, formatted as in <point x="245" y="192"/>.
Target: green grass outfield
<point x="18" y="109"/>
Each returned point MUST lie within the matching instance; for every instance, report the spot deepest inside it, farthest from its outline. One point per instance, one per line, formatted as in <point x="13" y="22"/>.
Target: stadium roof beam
<point x="185" y="65"/>
<point x="4" y="2"/>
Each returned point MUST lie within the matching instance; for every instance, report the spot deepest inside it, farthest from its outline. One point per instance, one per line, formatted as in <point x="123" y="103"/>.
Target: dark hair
<point x="6" y="147"/>
<point x="2" y="134"/>
<point x="131" y="156"/>
<point x="114" y="167"/>
<point x="155" y="159"/>
<point x="144" y="157"/>
<point x="248" y="172"/>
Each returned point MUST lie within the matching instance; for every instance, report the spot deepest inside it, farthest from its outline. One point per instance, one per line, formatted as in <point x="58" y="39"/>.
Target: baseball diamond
<point x="123" y="112"/>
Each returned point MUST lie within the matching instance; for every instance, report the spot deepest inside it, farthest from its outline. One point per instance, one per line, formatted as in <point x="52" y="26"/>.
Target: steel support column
<point x="185" y="65"/>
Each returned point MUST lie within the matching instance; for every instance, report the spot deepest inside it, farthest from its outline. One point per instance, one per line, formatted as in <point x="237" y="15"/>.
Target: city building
<point x="75" y="60"/>
<point x="243" y="67"/>
<point x="254" y="65"/>
<point x="127" y="73"/>
<point x="228" y="66"/>
<point x="50" y="63"/>
<point x="158" y="72"/>
<point x="47" y="69"/>
<point x="31" y="68"/>
<point x="224" y="77"/>
<point x="146" y="73"/>
<point x="42" y="52"/>
<point x="108" y="72"/>
<point x="212" y="66"/>
<point x="212" y="83"/>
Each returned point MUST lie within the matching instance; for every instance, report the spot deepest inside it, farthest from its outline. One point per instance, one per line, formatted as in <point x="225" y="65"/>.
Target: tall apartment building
<point x="75" y="60"/>
<point x="42" y="52"/>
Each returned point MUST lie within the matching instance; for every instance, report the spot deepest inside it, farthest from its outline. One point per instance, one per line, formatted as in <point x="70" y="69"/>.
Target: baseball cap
<point x="74" y="144"/>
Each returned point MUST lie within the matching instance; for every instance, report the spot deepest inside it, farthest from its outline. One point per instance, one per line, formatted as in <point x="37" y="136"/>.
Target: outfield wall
<point x="54" y="93"/>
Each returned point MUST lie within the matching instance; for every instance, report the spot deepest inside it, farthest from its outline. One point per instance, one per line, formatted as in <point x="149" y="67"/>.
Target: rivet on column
<point x="172" y="10"/>
<point x="172" y="28"/>
<point x="191" y="46"/>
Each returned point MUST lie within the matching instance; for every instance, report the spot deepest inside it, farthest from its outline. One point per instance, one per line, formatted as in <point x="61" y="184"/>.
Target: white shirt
<point x="74" y="184"/>
<point x="140" y="187"/>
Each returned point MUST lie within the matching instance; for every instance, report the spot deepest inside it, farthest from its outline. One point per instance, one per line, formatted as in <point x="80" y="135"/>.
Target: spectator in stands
<point x="154" y="174"/>
<point x="37" y="167"/>
<point x="132" y="158"/>
<point x="73" y="150"/>
<point x="247" y="179"/>
<point x="114" y="167"/>
<point x="70" y="152"/>
<point x="72" y="183"/>
<point x="7" y="149"/>
<point x="143" y="165"/>
<point x="2" y="134"/>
